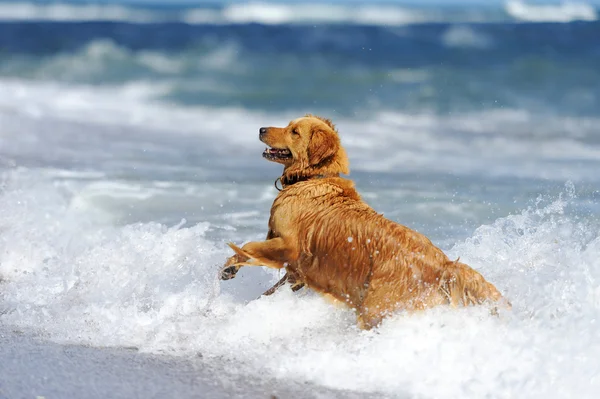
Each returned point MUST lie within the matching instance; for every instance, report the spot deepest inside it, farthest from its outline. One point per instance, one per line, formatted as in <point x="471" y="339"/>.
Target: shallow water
<point x="29" y="369"/>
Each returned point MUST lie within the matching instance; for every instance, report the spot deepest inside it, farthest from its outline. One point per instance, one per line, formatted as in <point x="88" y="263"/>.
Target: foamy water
<point x="115" y="237"/>
<point x="567" y="11"/>
<point x="78" y="280"/>
<point x="250" y="12"/>
<point x="299" y="13"/>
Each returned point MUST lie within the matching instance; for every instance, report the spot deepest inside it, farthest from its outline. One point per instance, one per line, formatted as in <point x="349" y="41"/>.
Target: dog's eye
<point x="295" y="132"/>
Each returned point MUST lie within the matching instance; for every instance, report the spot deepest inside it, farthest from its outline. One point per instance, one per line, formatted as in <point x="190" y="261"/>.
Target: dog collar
<point x="299" y="179"/>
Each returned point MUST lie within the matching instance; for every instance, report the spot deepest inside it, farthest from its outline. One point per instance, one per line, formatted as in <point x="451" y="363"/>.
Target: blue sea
<point x="129" y="156"/>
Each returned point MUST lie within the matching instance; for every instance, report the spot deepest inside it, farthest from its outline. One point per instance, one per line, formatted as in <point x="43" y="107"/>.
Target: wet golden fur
<point x="326" y="237"/>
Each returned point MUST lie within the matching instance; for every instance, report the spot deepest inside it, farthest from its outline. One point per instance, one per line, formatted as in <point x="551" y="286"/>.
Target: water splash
<point x="153" y="287"/>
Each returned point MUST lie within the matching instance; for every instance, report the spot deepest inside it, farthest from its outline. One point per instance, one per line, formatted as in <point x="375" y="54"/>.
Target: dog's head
<point x="307" y="146"/>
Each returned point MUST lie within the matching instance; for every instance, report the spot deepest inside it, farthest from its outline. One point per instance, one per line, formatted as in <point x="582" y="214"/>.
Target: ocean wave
<point x="232" y="72"/>
<point x="444" y="68"/>
<point x="154" y="287"/>
<point x="503" y="142"/>
<point x="61" y="12"/>
<point x="564" y="12"/>
<point x="274" y="14"/>
<point x="296" y="13"/>
<point x="515" y="143"/>
<point x="253" y="12"/>
<point x="106" y="61"/>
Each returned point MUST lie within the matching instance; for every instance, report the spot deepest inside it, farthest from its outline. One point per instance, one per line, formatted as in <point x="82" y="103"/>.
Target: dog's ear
<point x="323" y="144"/>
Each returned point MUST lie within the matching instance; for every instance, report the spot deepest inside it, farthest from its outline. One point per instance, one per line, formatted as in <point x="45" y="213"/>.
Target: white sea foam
<point x="501" y="142"/>
<point x="71" y="12"/>
<point x="154" y="287"/>
<point x="565" y="12"/>
<point x="267" y="13"/>
<point x="253" y="12"/>
<point x="463" y="143"/>
<point x="236" y="13"/>
<point x="276" y="13"/>
<point x="130" y="104"/>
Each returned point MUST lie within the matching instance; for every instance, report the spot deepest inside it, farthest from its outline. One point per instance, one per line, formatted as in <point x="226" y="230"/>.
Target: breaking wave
<point x="253" y="12"/>
<point x="300" y="13"/>
<point x="154" y="287"/>
<point x="564" y="12"/>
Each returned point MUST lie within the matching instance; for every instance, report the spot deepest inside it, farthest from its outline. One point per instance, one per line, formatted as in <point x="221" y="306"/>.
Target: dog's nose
<point x="262" y="131"/>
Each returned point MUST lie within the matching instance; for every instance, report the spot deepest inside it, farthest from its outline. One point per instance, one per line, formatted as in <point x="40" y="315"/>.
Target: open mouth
<point x="277" y="153"/>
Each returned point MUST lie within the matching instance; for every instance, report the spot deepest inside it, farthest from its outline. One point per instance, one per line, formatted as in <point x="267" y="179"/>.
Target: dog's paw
<point x="297" y="286"/>
<point x="229" y="272"/>
<point x="230" y="268"/>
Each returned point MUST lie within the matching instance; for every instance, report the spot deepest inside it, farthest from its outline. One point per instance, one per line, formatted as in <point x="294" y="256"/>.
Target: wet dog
<point x="328" y="239"/>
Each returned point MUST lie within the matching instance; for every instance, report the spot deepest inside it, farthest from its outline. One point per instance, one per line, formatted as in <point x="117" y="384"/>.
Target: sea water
<point x="129" y="156"/>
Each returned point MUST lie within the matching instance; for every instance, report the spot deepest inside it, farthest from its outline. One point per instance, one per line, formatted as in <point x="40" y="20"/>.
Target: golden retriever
<point x="327" y="238"/>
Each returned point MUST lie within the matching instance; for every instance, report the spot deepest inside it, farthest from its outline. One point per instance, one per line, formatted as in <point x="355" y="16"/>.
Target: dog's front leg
<point x="272" y="253"/>
<point x="289" y="277"/>
<point x="230" y="268"/>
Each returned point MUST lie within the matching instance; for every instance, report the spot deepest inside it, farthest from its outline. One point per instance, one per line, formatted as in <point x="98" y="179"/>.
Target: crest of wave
<point x="77" y="279"/>
<point x="12" y="10"/>
<point x="567" y="11"/>
<point x="547" y="255"/>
